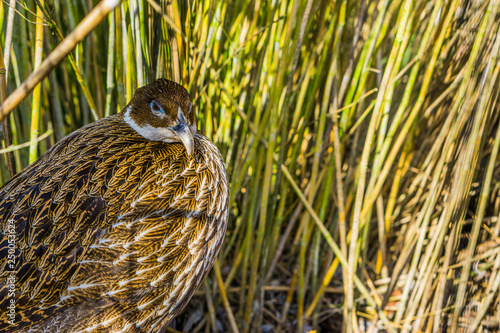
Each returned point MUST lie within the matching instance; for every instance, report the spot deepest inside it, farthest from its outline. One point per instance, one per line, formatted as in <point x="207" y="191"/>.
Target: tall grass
<point x="361" y="139"/>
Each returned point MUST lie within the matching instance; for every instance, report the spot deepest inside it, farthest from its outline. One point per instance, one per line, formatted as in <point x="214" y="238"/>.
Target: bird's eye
<point x="156" y="108"/>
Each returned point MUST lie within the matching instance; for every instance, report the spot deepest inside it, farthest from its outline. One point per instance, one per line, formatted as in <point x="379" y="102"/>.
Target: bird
<point x="115" y="227"/>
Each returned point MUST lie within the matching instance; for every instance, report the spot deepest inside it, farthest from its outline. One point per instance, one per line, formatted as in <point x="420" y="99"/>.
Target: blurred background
<point x="361" y="139"/>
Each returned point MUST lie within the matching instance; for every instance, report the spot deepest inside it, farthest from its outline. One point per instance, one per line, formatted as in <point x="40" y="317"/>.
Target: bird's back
<point x="112" y="231"/>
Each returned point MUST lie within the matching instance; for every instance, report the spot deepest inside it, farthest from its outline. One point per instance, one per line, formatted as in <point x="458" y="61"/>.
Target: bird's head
<point x="161" y="111"/>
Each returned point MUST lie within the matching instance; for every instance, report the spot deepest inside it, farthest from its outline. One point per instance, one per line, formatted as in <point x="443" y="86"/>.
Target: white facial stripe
<point x="180" y="115"/>
<point x="149" y="132"/>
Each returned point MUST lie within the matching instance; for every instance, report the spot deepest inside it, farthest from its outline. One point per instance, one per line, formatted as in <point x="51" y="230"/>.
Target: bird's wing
<point x="50" y="213"/>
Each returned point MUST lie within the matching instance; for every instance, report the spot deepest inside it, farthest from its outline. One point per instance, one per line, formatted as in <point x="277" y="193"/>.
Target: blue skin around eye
<point x="156" y="108"/>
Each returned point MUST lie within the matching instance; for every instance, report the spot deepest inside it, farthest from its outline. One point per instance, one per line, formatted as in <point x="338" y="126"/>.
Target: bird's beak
<point x="184" y="133"/>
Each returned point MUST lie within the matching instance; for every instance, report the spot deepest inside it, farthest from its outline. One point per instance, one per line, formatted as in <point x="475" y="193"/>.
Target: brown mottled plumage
<point x="115" y="232"/>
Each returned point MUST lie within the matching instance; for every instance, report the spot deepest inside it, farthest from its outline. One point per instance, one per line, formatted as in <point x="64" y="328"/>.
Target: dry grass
<point x="361" y="138"/>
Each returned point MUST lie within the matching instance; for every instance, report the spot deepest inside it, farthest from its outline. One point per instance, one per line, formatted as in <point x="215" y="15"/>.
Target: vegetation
<point x="361" y="138"/>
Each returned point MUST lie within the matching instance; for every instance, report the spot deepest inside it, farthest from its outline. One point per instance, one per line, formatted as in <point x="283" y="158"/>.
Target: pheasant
<point x="116" y="226"/>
